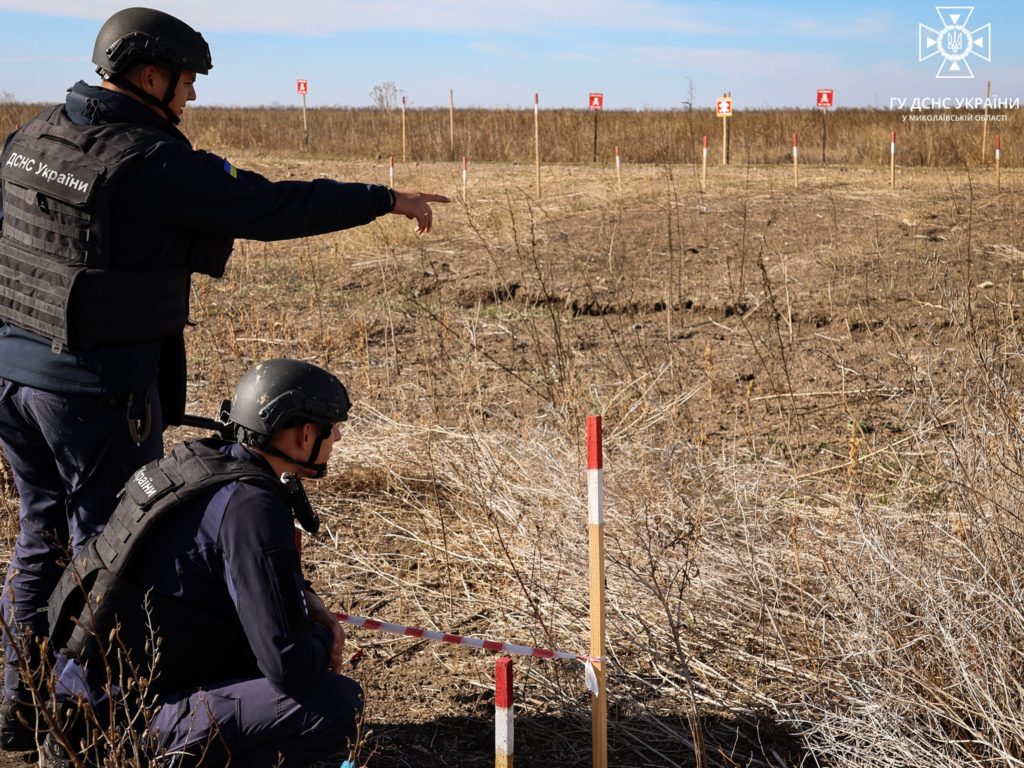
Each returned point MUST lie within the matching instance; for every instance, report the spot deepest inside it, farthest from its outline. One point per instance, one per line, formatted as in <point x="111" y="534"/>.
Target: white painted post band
<point x="465" y="178"/>
<point x="504" y="714"/>
<point x="595" y="496"/>
<point x="391" y="172"/>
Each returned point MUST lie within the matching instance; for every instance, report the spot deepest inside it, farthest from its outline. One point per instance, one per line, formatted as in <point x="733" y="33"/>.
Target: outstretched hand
<point x="416" y="205"/>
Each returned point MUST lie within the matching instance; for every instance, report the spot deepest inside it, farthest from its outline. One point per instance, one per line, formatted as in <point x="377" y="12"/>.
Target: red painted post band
<point x="503" y="682"/>
<point x="594" y="448"/>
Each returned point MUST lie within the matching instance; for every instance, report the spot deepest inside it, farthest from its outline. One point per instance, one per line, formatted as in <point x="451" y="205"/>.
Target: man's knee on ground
<point x="336" y="704"/>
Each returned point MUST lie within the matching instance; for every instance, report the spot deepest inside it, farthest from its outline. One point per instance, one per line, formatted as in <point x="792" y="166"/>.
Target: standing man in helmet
<point x="106" y="211"/>
<point x="249" y="656"/>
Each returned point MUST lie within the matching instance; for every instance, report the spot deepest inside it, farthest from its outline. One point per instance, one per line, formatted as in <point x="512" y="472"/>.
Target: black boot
<point x="53" y="755"/>
<point x="17" y="726"/>
<point x="74" y="730"/>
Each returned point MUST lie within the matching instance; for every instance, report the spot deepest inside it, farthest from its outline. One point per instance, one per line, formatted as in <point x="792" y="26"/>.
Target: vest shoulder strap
<point x="152" y="492"/>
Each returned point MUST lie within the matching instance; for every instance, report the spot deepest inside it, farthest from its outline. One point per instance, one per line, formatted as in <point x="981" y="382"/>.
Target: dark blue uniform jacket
<point x="173" y="186"/>
<point x="231" y="552"/>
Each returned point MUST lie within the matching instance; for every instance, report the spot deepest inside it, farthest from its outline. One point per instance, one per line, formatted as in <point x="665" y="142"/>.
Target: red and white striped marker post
<point x="391" y="172"/>
<point x="504" y="714"/>
<point x="595" y="535"/>
<point x="465" y="180"/>
<point x="618" y="167"/>
<point x="796" y="166"/>
<point x="999" y="155"/>
<point x="704" y="167"/>
<point x="892" y="161"/>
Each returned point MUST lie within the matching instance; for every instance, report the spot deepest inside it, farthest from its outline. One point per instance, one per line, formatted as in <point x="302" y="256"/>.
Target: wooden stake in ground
<point x="725" y="140"/>
<point x="796" y="171"/>
<point x="704" y="167"/>
<point x="391" y="172"/>
<point x="618" y="167"/>
<point x="451" y="122"/>
<point x="984" y="122"/>
<point x="892" y="161"/>
<point x="824" y="135"/>
<point x="595" y="533"/>
<point x="536" y="138"/>
<point x="405" y="153"/>
<point x="999" y="156"/>
<point x="465" y="180"/>
<point x="504" y="714"/>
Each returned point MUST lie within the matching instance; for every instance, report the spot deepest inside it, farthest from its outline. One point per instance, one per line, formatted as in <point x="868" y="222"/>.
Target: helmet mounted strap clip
<point x="302" y="510"/>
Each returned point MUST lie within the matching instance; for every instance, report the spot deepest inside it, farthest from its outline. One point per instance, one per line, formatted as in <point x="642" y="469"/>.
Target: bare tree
<point x="385" y="96"/>
<point x="691" y="91"/>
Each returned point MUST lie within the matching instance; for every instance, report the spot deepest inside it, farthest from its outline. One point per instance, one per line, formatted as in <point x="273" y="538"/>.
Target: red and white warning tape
<point x="472" y="642"/>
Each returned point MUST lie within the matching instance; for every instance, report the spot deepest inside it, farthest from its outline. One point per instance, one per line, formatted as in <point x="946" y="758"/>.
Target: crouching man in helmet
<point x="201" y="553"/>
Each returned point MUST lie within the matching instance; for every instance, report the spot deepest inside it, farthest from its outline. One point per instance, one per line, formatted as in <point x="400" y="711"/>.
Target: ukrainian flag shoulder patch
<point x="230" y="170"/>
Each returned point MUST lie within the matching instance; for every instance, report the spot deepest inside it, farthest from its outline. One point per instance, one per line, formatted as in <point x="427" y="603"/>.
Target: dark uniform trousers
<point x="256" y="725"/>
<point x="71" y="455"/>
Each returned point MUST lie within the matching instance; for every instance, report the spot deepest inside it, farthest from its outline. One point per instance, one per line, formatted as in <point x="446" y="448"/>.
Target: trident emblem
<point x="954" y="42"/>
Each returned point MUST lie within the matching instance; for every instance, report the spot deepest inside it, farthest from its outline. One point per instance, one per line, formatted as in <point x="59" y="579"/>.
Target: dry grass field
<point x="813" y="457"/>
<point x="760" y="136"/>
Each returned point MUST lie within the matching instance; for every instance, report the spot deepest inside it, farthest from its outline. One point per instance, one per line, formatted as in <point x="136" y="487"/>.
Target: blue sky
<point x="639" y="53"/>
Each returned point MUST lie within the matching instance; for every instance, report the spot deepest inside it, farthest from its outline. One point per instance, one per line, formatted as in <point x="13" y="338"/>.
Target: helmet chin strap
<point x="164" y="106"/>
<point x="319" y="470"/>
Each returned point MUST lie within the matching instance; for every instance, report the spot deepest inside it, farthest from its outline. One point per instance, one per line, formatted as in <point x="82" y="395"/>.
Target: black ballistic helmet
<point x="142" y="35"/>
<point x="277" y="394"/>
<point x="145" y="35"/>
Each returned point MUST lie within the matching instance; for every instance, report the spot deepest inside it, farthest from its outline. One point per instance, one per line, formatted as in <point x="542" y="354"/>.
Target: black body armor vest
<point x="55" y="274"/>
<point x="96" y="611"/>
